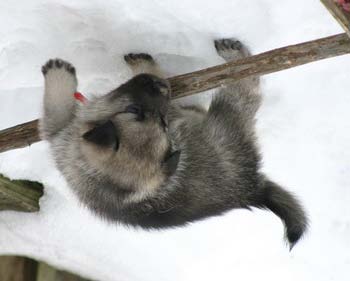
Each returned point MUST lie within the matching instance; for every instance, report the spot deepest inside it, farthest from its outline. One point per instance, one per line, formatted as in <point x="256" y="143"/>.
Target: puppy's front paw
<point x="231" y="49"/>
<point x="142" y="63"/>
<point x="57" y="64"/>
<point x="136" y="59"/>
<point x="60" y="78"/>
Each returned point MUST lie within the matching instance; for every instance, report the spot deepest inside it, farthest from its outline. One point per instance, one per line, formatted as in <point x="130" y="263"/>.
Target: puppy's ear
<point x="171" y="161"/>
<point x="105" y="135"/>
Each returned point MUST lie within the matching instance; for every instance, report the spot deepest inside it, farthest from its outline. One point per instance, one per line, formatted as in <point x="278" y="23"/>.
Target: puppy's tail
<point x="287" y="207"/>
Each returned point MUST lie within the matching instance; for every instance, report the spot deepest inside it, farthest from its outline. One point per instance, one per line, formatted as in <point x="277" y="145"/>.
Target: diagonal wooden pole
<point x="188" y="84"/>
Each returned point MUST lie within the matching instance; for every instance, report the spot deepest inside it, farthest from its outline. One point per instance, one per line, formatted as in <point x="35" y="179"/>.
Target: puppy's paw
<point x="231" y="49"/>
<point x="60" y="78"/>
<point x="57" y="64"/>
<point x="140" y="58"/>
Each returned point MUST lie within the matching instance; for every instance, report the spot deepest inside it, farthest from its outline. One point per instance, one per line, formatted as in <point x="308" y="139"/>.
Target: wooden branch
<point x="202" y="80"/>
<point x="14" y="268"/>
<point x="265" y="63"/>
<point x="339" y="13"/>
<point x="19" y="136"/>
<point x="19" y="195"/>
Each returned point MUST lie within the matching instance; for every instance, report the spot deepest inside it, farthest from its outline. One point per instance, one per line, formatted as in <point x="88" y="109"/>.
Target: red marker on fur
<point x="80" y="97"/>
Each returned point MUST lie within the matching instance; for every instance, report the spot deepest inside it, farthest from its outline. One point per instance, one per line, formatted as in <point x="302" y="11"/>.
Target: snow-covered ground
<point x="303" y="130"/>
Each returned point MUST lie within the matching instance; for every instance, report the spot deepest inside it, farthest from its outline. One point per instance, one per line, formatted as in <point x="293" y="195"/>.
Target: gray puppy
<point x="132" y="156"/>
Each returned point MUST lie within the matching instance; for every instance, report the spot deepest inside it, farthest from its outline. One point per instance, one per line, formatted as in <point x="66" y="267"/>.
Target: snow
<point x="303" y="131"/>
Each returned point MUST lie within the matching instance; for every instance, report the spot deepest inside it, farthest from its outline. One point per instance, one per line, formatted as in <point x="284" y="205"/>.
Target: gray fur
<point x="157" y="164"/>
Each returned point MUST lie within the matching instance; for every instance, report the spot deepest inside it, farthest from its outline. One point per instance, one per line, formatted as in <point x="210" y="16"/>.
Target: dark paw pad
<point x="57" y="64"/>
<point x="225" y="44"/>
<point x="134" y="59"/>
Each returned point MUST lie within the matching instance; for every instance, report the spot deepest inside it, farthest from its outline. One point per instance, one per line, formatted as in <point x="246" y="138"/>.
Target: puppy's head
<point x="124" y="135"/>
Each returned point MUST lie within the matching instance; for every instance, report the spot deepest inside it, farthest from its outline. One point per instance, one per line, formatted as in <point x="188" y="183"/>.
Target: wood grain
<point x="19" y="195"/>
<point x="19" y="136"/>
<point x="17" y="269"/>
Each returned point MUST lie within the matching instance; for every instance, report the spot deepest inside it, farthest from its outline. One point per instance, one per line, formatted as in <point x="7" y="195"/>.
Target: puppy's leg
<point x="143" y="63"/>
<point x="59" y="103"/>
<point x="240" y="100"/>
<point x="231" y="125"/>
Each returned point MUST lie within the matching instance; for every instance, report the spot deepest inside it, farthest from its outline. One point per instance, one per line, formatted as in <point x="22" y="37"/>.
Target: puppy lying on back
<point x="132" y="156"/>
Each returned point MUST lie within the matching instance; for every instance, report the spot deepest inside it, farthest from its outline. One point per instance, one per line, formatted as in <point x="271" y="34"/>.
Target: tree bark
<point x="17" y="269"/>
<point x="19" y="195"/>
<point x="19" y="136"/>
<point x="265" y="63"/>
<point x="209" y="78"/>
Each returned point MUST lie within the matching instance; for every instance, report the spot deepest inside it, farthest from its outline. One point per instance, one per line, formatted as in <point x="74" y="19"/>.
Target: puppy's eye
<point x="133" y="108"/>
<point x="137" y="110"/>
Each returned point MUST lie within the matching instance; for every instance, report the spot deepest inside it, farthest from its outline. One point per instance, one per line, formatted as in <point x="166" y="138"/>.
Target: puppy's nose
<point x="151" y="85"/>
<point x="156" y="86"/>
<point x="149" y="91"/>
<point x="146" y="85"/>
